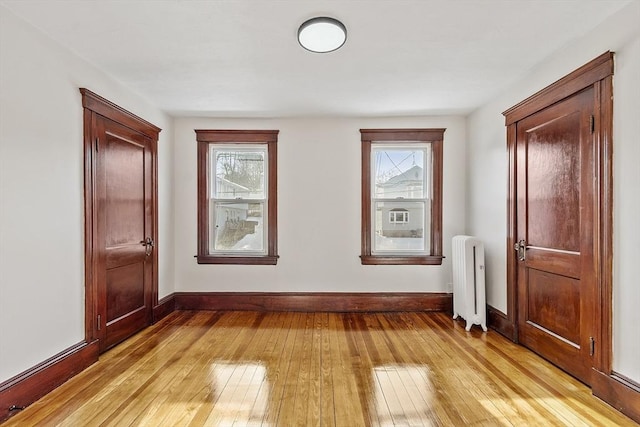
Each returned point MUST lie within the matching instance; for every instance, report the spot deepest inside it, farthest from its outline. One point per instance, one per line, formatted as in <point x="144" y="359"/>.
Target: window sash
<point x="232" y="228"/>
<point x="408" y="146"/>
<point x="215" y="228"/>
<point x="409" y="199"/>
<point x="213" y="174"/>
<point x="410" y="237"/>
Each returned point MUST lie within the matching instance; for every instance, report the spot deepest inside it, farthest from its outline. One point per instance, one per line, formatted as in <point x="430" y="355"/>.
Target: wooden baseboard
<point x="165" y="307"/>
<point x="29" y="386"/>
<point x="499" y="322"/>
<point x="619" y="392"/>
<point x="312" y="301"/>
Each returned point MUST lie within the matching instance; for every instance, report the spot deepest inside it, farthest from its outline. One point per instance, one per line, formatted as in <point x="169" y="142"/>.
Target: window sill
<point x="240" y="260"/>
<point x="400" y="260"/>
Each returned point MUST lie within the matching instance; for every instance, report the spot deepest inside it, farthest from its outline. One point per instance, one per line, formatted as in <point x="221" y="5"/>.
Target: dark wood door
<point x="124" y="182"/>
<point x="555" y="222"/>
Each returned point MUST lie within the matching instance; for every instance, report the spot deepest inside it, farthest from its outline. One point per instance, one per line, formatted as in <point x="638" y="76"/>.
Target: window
<point x="399" y="215"/>
<point x="237" y="181"/>
<point x="402" y="196"/>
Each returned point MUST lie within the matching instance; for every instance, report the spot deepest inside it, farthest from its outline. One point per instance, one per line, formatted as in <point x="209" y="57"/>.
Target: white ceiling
<point x="241" y="57"/>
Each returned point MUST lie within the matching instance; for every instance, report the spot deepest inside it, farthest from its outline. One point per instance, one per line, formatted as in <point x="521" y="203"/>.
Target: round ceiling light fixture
<point x="322" y="34"/>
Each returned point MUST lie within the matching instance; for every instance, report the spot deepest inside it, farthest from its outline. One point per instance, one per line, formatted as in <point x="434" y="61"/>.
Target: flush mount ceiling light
<point x="322" y="34"/>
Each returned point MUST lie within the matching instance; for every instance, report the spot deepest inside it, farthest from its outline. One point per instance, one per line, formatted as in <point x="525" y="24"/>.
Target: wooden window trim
<point x="435" y="137"/>
<point x="206" y="137"/>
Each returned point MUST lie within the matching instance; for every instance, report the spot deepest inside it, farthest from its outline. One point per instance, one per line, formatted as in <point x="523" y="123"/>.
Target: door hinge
<point x="99" y="322"/>
<point x="592" y="346"/>
<point x="592" y="123"/>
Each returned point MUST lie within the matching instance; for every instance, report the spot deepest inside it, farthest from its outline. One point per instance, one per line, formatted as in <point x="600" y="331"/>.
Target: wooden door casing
<point x="121" y="212"/>
<point x="597" y="75"/>
<point x="555" y="193"/>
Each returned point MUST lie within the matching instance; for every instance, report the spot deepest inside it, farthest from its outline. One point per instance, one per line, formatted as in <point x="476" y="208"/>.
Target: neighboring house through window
<point x="402" y="196"/>
<point x="237" y="212"/>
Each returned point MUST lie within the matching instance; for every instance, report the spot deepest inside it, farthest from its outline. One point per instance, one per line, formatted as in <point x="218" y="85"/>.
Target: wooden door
<point x="121" y="259"/>
<point x="556" y="277"/>
<point x="125" y="231"/>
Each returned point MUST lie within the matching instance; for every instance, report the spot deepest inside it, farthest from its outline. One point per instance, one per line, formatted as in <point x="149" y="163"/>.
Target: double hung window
<point x="237" y="213"/>
<point x="402" y="196"/>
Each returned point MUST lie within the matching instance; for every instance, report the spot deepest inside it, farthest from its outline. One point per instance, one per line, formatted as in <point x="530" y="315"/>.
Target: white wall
<point x="41" y="193"/>
<point x="487" y="179"/>
<point x="319" y="179"/>
<point x="626" y="193"/>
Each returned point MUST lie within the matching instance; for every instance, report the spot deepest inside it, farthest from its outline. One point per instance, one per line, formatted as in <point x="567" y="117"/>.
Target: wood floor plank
<point x="164" y="395"/>
<point x="281" y="358"/>
<point x="359" y="374"/>
<point x="300" y="401"/>
<point x="448" y="406"/>
<point x="327" y="398"/>
<point x="318" y="369"/>
<point x="231" y="375"/>
<point x="365" y="350"/>
<point x="115" y="373"/>
<point x="474" y="387"/>
<point x="313" y="415"/>
<point x="347" y="404"/>
<point x="286" y="412"/>
<point x="167" y="397"/>
<point x="529" y="409"/>
<point x="268" y="351"/>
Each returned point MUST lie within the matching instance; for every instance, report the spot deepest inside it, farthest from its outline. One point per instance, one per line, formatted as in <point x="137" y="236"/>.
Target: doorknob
<point x="148" y="245"/>
<point x="521" y="248"/>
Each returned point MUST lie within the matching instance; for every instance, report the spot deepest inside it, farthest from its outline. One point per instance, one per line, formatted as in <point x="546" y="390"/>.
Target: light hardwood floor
<point x="312" y="369"/>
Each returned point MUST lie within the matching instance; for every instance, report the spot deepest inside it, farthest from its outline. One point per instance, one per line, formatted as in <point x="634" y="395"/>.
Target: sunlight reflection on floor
<point x="241" y="393"/>
<point x="403" y="395"/>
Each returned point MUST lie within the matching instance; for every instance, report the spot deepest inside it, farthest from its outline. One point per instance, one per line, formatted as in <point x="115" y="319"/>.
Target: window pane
<point x="238" y="173"/>
<point x="237" y="227"/>
<point x="400" y="226"/>
<point x="399" y="173"/>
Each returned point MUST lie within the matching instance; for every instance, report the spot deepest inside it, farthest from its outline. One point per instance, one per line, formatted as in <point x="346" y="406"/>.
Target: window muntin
<point x="402" y="196"/>
<point x="237" y="211"/>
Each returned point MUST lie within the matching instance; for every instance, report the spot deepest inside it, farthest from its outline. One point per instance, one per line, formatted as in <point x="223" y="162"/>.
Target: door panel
<point x="125" y="290"/>
<point x="553" y="178"/>
<point x="554" y="304"/>
<point x="555" y="192"/>
<point x="125" y="176"/>
<point x="125" y="222"/>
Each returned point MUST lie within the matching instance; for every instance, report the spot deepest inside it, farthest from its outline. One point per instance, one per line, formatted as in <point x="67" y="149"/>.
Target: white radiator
<point x="468" y="281"/>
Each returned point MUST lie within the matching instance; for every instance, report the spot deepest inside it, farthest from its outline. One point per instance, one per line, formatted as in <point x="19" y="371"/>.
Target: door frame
<point x="597" y="73"/>
<point x="94" y="105"/>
